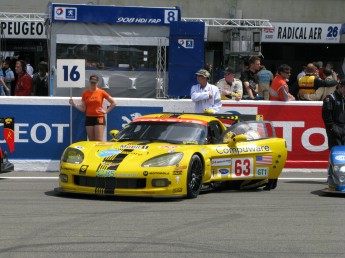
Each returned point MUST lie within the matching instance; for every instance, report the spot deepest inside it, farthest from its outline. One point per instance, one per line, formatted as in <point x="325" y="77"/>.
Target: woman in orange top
<point x="92" y="100"/>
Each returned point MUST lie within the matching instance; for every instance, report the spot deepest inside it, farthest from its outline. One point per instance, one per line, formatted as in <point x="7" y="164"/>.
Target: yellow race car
<point x="176" y="155"/>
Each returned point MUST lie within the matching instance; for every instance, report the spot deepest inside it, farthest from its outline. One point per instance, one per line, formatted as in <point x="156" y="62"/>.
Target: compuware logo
<point x="65" y="13"/>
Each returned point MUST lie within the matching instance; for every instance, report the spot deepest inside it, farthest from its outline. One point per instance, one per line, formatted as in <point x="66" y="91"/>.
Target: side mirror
<point x="236" y="139"/>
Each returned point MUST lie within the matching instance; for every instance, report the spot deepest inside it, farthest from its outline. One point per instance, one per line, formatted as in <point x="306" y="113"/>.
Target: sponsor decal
<point x="186" y="43"/>
<point x="68" y="169"/>
<point x="167" y="147"/>
<point x="104" y="144"/>
<point x="107" y="153"/>
<point x="338" y="152"/>
<point x="179" y="172"/>
<point x="131" y="153"/>
<point x="261" y="172"/>
<point x="134" y="147"/>
<point x="148" y="192"/>
<point x="159" y="173"/>
<point x="145" y="173"/>
<point x="79" y="147"/>
<point x="82" y="170"/>
<point x="177" y="190"/>
<point x="126" y="174"/>
<point x="65" y="13"/>
<point x="177" y="179"/>
<point x="263" y="160"/>
<point x="244" y="149"/>
<point x="109" y="164"/>
<point x="340" y="158"/>
<point x="224" y="171"/>
<point x="221" y="162"/>
<point x="269" y="30"/>
<point x="181" y="167"/>
<point x="105" y="173"/>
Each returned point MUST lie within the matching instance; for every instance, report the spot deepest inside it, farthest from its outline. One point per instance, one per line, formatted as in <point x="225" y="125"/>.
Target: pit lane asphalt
<point x="294" y="220"/>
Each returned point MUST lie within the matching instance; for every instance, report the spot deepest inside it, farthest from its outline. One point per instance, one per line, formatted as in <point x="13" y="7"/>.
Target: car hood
<point x="118" y="151"/>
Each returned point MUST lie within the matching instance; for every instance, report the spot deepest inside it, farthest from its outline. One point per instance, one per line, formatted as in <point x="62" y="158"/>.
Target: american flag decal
<point x="263" y="160"/>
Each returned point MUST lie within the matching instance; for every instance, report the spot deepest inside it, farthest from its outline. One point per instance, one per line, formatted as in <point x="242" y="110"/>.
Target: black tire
<point x="194" y="177"/>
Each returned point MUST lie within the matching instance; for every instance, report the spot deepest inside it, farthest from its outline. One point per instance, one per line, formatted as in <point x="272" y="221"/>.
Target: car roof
<point x="192" y="118"/>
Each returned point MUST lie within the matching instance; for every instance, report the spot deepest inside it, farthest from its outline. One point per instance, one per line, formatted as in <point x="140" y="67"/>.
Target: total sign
<point x="300" y="124"/>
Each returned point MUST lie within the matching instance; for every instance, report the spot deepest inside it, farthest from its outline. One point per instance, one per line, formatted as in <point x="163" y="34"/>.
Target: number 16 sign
<point x="70" y="73"/>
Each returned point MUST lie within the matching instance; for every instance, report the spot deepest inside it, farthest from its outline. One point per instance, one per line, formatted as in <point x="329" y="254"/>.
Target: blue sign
<point x="115" y="14"/>
<point x="43" y="131"/>
<point x="186" y="56"/>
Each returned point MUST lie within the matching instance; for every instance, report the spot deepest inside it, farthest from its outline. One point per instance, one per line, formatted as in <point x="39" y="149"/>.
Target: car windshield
<point x="173" y="132"/>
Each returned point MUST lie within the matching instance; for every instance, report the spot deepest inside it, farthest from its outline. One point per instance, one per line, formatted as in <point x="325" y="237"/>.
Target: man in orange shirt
<point x="92" y="104"/>
<point x="279" y="89"/>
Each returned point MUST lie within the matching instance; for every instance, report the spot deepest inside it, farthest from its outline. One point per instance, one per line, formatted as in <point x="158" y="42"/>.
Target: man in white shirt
<point x="205" y="96"/>
<point x="29" y="69"/>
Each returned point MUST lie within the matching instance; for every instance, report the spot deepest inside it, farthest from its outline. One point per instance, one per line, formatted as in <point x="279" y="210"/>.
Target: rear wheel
<point x="194" y="177"/>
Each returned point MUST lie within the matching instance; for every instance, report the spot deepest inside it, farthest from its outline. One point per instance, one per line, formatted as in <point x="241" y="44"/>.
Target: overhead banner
<point x="115" y="14"/>
<point x="302" y="33"/>
<point x="23" y="29"/>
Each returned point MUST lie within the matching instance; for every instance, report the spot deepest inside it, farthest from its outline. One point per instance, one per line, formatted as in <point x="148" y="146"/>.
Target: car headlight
<point x="339" y="172"/>
<point x="72" y="155"/>
<point x="169" y="159"/>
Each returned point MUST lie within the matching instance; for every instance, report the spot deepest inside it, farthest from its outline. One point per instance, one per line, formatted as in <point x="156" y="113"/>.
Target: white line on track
<point x="303" y="178"/>
<point x="28" y="177"/>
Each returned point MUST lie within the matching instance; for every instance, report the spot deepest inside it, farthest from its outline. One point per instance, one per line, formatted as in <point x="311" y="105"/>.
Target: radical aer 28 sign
<point x="302" y="33"/>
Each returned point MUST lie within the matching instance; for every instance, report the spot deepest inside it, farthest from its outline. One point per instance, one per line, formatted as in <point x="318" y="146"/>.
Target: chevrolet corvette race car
<point x="336" y="171"/>
<point x="170" y="155"/>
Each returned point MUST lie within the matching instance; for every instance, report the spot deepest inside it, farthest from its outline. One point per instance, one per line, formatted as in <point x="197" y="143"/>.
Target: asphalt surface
<point x="294" y="220"/>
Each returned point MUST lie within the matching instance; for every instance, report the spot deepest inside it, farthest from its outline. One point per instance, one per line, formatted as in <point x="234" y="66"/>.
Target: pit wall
<point x="45" y="126"/>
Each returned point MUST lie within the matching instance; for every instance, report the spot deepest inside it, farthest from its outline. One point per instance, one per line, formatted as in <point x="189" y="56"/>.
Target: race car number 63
<point x="242" y="167"/>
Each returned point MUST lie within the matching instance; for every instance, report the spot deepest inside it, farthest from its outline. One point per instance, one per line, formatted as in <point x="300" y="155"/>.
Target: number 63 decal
<point x="242" y="167"/>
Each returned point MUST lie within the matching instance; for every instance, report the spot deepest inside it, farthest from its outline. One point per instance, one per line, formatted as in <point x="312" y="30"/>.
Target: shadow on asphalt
<point x="78" y="196"/>
<point x="332" y="195"/>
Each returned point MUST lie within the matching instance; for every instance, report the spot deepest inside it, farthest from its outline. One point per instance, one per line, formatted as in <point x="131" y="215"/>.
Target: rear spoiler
<point x="237" y="118"/>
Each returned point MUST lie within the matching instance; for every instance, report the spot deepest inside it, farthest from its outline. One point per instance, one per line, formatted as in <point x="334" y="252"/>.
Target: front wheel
<point x="194" y="177"/>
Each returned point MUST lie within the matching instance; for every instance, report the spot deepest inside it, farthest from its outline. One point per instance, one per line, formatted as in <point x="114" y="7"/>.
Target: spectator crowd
<point x="256" y="82"/>
<point x="19" y="78"/>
